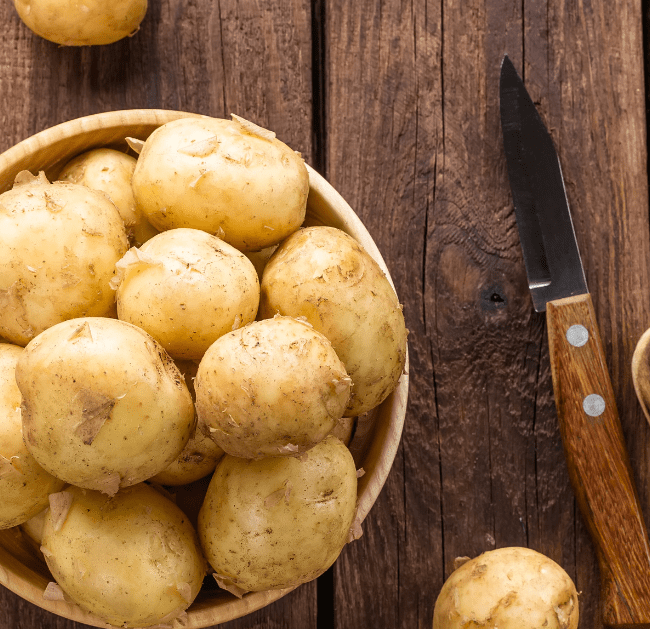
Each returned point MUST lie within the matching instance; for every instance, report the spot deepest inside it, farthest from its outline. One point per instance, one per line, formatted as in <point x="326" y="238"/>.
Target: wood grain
<point x="374" y="131"/>
<point x="248" y="57"/>
<point x="603" y="155"/>
<point x="414" y="145"/>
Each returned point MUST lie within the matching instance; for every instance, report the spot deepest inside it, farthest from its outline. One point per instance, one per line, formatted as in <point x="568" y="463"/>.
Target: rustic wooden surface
<point x="397" y="105"/>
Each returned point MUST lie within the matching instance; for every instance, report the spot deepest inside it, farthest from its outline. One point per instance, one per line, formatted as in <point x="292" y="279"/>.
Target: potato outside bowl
<point x="375" y="442"/>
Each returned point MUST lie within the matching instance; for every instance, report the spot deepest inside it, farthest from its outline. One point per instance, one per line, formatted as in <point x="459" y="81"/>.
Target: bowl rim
<point x="36" y="153"/>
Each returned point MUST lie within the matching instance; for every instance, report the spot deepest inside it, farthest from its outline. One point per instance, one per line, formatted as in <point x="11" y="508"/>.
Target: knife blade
<point x="597" y="460"/>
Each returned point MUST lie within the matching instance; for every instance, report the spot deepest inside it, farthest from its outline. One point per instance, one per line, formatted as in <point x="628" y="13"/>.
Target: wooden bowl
<point x="374" y="444"/>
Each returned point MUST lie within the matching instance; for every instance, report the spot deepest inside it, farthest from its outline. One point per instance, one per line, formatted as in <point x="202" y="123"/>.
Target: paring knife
<point x="591" y="432"/>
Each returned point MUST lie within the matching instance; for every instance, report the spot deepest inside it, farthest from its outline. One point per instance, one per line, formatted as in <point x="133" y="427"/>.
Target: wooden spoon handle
<point x="598" y="463"/>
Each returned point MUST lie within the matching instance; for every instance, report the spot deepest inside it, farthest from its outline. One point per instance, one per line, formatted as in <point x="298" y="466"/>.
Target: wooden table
<point x="397" y="105"/>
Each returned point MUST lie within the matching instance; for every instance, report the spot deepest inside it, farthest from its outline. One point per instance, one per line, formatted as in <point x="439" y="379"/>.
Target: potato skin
<point x="508" y="588"/>
<point x="280" y="521"/>
<point x="133" y="560"/>
<point x="187" y="288"/>
<point x="110" y="172"/>
<point x="88" y="23"/>
<point x="274" y="387"/>
<point x="58" y="247"/>
<point x="324" y="275"/>
<point x="219" y="176"/>
<point x="103" y="405"/>
<point x="24" y="484"/>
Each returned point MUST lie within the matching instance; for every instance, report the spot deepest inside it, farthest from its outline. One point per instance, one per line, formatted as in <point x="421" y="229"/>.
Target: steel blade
<point x="546" y="231"/>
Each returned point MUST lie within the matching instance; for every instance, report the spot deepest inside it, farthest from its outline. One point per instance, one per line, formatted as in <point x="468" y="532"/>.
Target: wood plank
<point x="250" y="57"/>
<point x="593" y="103"/>
<point x="241" y="56"/>
<point x="420" y="159"/>
<point x="384" y="150"/>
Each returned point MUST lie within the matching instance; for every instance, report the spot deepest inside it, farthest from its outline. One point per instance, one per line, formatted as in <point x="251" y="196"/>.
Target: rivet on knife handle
<point x="597" y="460"/>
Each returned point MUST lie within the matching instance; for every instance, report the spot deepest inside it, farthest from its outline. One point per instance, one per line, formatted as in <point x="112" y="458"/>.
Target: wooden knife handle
<point x="598" y="463"/>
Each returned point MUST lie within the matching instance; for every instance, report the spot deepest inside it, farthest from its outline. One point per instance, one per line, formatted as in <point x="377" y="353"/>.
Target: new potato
<point x="110" y="172"/>
<point x="187" y="288"/>
<point x="274" y="387"/>
<point x="229" y="178"/>
<point x="24" y="484"/>
<point x="134" y="560"/>
<point x="87" y="23"/>
<point x="58" y="247"/>
<point x="278" y="522"/>
<point x="508" y="588"/>
<point x="104" y="407"/>
<point x="324" y="275"/>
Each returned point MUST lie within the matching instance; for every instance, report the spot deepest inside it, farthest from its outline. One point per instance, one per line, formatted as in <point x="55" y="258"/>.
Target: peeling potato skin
<point x="275" y="387"/>
<point x="58" y="247"/>
<point x="280" y="521"/>
<point x="508" y="588"/>
<point x="110" y="171"/>
<point x="214" y="175"/>
<point x="124" y="558"/>
<point x="103" y="404"/>
<point x="195" y="289"/>
<point x="88" y="23"/>
<point x="24" y="484"/>
<point x="324" y="275"/>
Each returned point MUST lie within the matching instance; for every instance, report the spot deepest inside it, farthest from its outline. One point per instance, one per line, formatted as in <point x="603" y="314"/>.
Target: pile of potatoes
<point x="167" y="321"/>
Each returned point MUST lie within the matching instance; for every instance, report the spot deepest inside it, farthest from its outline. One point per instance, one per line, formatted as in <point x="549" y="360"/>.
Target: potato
<point x="324" y="275"/>
<point x="187" y="288"/>
<point x="24" y="484"/>
<point x="133" y="560"/>
<point x="508" y="588"/>
<point x="87" y="23"/>
<point x="274" y="387"/>
<point x="104" y="407"/>
<point x="280" y="521"/>
<point x="232" y="179"/>
<point x="110" y="172"/>
<point x="58" y="247"/>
